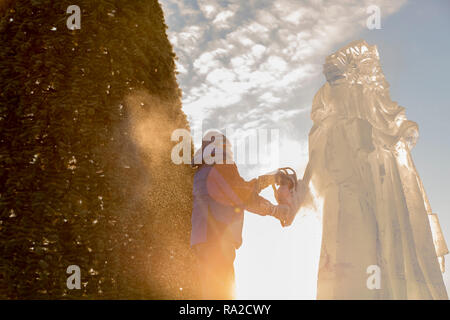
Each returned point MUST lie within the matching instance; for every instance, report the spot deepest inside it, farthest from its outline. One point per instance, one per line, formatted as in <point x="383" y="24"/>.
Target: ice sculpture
<point x="375" y="210"/>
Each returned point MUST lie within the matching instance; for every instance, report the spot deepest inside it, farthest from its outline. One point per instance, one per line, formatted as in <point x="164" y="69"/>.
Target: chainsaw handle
<point x="286" y="178"/>
<point x="285" y="170"/>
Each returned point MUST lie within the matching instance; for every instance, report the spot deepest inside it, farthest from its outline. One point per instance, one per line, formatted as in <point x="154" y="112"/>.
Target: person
<point x="220" y="196"/>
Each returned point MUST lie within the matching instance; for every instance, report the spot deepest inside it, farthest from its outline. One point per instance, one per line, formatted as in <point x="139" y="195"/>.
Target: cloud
<point x="221" y="20"/>
<point x="257" y="64"/>
<point x="208" y="8"/>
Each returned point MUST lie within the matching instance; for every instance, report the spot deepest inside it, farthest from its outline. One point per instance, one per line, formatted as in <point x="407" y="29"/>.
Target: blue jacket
<point x="220" y="197"/>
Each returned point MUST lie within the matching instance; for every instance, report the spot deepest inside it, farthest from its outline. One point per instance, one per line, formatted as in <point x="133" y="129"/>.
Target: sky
<point x="257" y="64"/>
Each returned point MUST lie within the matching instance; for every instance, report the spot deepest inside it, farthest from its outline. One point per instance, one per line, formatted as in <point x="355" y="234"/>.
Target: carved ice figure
<point x="375" y="209"/>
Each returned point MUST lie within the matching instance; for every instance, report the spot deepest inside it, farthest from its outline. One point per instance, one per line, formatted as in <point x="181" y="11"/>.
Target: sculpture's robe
<point x="375" y="211"/>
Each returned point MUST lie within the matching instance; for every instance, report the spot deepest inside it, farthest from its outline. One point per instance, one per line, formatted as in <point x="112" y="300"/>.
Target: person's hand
<point x="283" y="213"/>
<point x="266" y="180"/>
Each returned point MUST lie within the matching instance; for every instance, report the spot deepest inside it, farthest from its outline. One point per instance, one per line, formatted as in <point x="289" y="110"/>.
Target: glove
<point x="266" y="180"/>
<point x="282" y="212"/>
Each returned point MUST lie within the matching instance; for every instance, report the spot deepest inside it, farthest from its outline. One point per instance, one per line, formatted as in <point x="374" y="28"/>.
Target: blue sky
<point x="258" y="64"/>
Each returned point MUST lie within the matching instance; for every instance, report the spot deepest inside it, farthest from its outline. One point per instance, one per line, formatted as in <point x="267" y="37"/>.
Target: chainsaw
<point x="291" y="191"/>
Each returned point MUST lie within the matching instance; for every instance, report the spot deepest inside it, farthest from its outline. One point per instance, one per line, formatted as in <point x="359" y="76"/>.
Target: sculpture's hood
<point x="356" y="63"/>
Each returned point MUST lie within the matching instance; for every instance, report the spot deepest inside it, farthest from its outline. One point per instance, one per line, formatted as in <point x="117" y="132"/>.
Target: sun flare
<point x="271" y="262"/>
